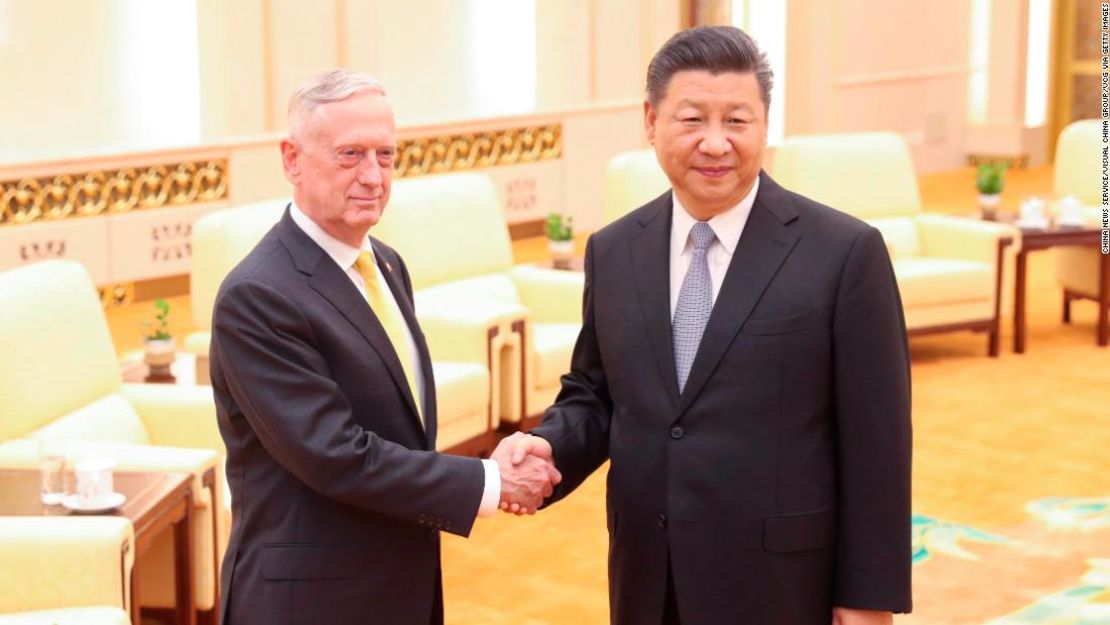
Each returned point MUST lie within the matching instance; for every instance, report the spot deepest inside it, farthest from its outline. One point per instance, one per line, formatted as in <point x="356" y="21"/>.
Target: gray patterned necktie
<point x="695" y="302"/>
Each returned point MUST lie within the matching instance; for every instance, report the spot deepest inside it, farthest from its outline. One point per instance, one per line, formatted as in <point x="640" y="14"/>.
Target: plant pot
<point x="158" y="354"/>
<point x="988" y="205"/>
<point x="562" y="253"/>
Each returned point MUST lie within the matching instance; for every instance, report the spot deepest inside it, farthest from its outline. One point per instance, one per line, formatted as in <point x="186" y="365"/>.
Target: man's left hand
<point x="850" y="616"/>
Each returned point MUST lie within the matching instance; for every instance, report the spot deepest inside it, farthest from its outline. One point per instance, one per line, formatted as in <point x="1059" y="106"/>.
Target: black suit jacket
<point x="337" y="494"/>
<point x="778" y="484"/>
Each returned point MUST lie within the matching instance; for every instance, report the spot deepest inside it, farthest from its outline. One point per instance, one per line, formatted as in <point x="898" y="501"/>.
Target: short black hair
<point x="716" y="49"/>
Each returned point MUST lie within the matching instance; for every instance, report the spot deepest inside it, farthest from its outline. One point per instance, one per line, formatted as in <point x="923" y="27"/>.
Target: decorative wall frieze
<point x="462" y="152"/>
<point x="116" y="295"/>
<point x="30" y="200"/>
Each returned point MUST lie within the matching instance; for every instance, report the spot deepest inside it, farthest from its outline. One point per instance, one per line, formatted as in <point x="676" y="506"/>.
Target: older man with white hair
<point x="325" y="396"/>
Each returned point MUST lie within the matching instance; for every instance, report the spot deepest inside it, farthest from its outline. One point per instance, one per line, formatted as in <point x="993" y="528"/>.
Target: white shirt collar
<point x="343" y="254"/>
<point x="728" y="226"/>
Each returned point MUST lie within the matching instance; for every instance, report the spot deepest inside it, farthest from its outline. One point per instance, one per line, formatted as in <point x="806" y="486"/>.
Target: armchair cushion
<point x="220" y="240"/>
<point x="494" y="287"/>
<point x="447" y="228"/>
<point x="936" y="281"/>
<point x="110" y="418"/>
<point x="1077" y="170"/>
<point x="868" y="175"/>
<point x="177" y="416"/>
<point x="946" y="236"/>
<point x="197" y="343"/>
<point x="462" y="388"/>
<point x="56" y="343"/>
<point x="900" y="235"/>
<point x="554" y="343"/>
<point x="64" y="562"/>
<point x="68" y="616"/>
<point x="553" y="296"/>
<point x="632" y="179"/>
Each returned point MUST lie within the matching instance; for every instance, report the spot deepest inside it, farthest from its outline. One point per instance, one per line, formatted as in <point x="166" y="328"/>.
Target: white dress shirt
<point x="345" y="256"/>
<point x="728" y="226"/>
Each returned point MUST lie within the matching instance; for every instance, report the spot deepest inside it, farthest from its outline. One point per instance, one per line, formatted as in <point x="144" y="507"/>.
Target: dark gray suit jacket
<point x="778" y="483"/>
<point x="337" y="495"/>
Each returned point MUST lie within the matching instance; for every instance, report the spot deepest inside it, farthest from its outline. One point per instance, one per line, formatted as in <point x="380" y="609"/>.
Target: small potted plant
<point x="560" y="239"/>
<point x="989" y="181"/>
<point x="158" y="352"/>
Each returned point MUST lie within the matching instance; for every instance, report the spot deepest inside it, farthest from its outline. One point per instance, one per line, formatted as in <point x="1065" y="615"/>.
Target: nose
<point x="370" y="172"/>
<point x="713" y="143"/>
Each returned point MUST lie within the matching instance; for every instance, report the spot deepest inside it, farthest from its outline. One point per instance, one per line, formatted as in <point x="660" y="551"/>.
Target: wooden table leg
<point x="183" y="565"/>
<point x="1103" y="300"/>
<point x="1019" y="303"/>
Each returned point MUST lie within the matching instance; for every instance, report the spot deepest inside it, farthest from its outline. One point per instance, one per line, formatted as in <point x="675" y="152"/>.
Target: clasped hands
<point x="528" y="473"/>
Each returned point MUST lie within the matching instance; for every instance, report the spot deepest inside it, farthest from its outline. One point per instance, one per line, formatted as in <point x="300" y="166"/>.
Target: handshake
<point x="528" y="473"/>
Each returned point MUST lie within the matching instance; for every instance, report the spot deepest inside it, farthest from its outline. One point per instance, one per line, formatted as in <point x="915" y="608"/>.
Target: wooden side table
<point x="155" y="502"/>
<point x="1035" y="239"/>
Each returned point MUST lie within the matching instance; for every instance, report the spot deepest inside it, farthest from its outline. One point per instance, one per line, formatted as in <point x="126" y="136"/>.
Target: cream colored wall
<point x="60" y="92"/>
<point x="861" y="65"/>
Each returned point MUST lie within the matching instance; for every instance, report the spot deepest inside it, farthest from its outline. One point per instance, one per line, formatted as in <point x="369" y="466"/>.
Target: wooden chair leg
<point x="1067" y="307"/>
<point x="992" y="341"/>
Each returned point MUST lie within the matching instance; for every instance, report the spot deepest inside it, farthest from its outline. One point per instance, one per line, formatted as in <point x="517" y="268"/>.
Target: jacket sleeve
<point x="577" y="425"/>
<point x="874" y="441"/>
<point x="280" y="381"/>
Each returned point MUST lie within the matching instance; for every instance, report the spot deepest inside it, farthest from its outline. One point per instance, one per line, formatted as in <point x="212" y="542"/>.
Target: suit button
<point x="677" y="432"/>
<point x="662" y="521"/>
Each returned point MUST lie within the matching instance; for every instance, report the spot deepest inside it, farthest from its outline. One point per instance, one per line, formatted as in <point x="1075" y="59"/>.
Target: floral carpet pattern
<point x="1053" y="569"/>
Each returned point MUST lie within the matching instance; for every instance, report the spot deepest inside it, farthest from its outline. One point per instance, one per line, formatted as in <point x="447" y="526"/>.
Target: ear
<point x="291" y="160"/>
<point x="650" y="118"/>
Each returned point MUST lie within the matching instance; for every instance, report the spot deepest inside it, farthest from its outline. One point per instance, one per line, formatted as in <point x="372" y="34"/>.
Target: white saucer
<point x="1072" y="223"/>
<point x="1031" y="223"/>
<point x="110" y="502"/>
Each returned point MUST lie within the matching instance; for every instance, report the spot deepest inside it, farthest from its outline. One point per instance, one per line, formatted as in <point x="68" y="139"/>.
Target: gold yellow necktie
<point x="393" y="323"/>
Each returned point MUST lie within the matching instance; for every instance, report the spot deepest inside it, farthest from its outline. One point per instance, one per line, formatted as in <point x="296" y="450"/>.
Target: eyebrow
<point x="697" y="104"/>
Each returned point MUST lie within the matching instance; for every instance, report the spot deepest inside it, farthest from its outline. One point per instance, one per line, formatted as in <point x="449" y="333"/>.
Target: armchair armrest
<point x="551" y="295"/>
<point x="61" y="562"/>
<point x="458" y="329"/>
<point x="963" y="238"/>
<point x="176" y="416"/>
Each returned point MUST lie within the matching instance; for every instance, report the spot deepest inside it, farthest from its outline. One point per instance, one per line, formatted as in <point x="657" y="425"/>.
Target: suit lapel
<point x="327" y="279"/>
<point x="400" y="295"/>
<point x="763" y="246"/>
<point x="649" y="255"/>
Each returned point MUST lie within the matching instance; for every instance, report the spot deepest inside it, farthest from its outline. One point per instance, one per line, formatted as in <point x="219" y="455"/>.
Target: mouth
<point x="713" y="172"/>
<point x="365" y="200"/>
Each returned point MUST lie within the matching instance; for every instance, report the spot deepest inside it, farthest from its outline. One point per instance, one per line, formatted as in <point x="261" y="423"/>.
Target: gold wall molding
<point x="461" y="152"/>
<point x="117" y="295"/>
<point x="30" y="200"/>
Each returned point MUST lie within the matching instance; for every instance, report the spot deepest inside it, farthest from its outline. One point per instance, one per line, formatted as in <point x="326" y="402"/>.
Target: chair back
<point x="57" y="352"/>
<point x="632" y="179"/>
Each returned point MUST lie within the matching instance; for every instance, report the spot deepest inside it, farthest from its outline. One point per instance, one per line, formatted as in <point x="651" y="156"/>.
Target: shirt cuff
<point x="491" y="495"/>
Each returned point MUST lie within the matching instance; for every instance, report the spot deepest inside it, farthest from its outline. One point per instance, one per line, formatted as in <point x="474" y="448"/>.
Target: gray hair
<point x="715" y="49"/>
<point x="331" y="86"/>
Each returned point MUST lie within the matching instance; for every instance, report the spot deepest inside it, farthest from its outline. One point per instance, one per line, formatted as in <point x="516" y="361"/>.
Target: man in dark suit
<point x="325" y="396"/>
<point x="743" y="365"/>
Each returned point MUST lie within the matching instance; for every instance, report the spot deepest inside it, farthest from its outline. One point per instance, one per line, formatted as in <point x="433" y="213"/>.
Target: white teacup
<point x="1033" y="209"/>
<point x="1071" y="210"/>
<point x="94" y="481"/>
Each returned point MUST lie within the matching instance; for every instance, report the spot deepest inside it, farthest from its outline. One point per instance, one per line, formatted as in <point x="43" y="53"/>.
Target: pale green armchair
<point x="222" y="238"/>
<point x="452" y="232"/>
<point x="65" y="570"/>
<point x="949" y="269"/>
<point x="61" y="379"/>
<point x="1083" y="272"/>
<point x="632" y="179"/>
